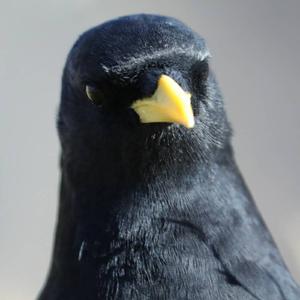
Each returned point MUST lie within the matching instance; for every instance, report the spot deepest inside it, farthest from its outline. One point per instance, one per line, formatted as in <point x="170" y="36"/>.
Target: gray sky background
<point x="256" y="55"/>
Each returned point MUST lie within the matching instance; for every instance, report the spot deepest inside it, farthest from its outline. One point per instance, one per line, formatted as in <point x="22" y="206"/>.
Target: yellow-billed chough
<point x="152" y="204"/>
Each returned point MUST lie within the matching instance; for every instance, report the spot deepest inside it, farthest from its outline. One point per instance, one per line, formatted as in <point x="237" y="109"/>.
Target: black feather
<point x="153" y="211"/>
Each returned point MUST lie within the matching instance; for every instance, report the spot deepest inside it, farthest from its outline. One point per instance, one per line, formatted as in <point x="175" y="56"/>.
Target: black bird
<point x="152" y="204"/>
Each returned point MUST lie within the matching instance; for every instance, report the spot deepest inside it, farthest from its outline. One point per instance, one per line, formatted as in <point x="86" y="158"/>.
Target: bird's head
<point x="142" y="83"/>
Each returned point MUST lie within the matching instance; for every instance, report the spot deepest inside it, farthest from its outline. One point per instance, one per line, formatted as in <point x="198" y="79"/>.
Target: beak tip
<point x="190" y="123"/>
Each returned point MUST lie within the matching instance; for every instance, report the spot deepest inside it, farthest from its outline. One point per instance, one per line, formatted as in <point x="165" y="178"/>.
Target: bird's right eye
<point x="94" y="94"/>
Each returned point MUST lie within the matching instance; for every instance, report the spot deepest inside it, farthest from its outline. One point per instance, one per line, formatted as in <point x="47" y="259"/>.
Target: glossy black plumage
<point x="153" y="211"/>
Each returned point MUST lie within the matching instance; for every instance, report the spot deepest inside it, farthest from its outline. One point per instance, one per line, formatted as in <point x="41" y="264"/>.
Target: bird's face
<point x="142" y="76"/>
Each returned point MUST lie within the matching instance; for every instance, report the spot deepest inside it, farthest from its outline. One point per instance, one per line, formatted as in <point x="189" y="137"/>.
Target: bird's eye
<point x="199" y="75"/>
<point x="200" y="70"/>
<point x="94" y="94"/>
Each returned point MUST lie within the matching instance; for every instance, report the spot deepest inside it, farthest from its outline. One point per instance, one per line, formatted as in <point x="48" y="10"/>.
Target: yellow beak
<point x="169" y="103"/>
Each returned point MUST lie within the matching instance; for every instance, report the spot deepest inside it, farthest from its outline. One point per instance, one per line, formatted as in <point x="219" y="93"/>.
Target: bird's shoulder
<point x="239" y="239"/>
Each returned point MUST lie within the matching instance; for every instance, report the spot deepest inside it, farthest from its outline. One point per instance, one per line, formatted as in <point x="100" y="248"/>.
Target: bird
<point x="152" y="204"/>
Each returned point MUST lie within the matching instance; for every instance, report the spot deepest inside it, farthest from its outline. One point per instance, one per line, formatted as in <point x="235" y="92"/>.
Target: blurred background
<point x="256" y="55"/>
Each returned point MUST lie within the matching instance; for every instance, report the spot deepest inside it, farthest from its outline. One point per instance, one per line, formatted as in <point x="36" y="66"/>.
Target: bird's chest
<point x="167" y="260"/>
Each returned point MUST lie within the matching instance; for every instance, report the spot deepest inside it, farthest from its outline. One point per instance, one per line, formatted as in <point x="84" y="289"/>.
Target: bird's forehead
<point x="124" y="45"/>
<point x="130" y="63"/>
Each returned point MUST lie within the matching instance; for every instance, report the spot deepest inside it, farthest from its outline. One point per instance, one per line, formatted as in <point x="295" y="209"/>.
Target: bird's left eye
<point x="94" y="94"/>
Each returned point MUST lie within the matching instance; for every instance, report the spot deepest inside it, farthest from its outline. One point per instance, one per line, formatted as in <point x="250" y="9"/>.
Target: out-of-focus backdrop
<point x="256" y="55"/>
